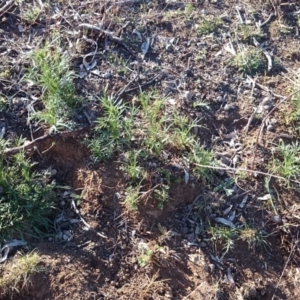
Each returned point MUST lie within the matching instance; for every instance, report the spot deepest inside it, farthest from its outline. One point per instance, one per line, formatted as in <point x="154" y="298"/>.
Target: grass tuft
<point x="51" y="72"/>
<point x="17" y="274"/>
<point x="208" y="25"/>
<point x="286" y="160"/>
<point x="249" y="61"/>
<point x="247" y="32"/>
<point x="26" y="201"/>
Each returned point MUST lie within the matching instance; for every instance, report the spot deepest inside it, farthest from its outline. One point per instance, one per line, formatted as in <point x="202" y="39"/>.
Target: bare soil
<point x="101" y="262"/>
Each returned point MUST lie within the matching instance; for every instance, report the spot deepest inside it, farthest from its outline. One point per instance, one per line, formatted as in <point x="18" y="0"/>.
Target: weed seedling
<point x="154" y="127"/>
<point x="132" y="198"/>
<point x="209" y="25"/>
<point x="247" y="32"/>
<point x="113" y="130"/>
<point x="249" y="61"/>
<point x="161" y="195"/>
<point x="25" y="200"/>
<point x="31" y="14"/>
<point x="223" y="236"/>
<point x="145" y="255"/>
<point x="284" y="27"/>
<point x="286" y="160"/>
<point x="182" y="137"/>
<point x="253" y="237"/>
<point x="132" y="168"/>
<point x="189" y="11"/>
<point x="199" y="156"/>
<point x="51" y="72"/>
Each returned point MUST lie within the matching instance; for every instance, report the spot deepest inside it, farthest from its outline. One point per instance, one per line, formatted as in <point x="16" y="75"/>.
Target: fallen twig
<point x="264" y="88"/>
<point x="265" y="52"/>
<point x="32" y="144"/>
<point x="263" y="122"/>
<point x="234" y="170"/>
<point x="159" y="76"/>
<point x="259" y="24"/>
<point x="240" y="15"/>
<point x="285" y="266"/>
<point x="6" y="7"/>
<point x="193" y="291"/>
<point x="127" y="2"/>
<point x="85" y="223"/>
<point x="123" y="90"/>
<point x="110" y="34"/>
<point x="246" y="128"/>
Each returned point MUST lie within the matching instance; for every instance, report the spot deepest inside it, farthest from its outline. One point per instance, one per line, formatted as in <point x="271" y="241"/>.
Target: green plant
<point x="296" y="101"/>
<point x="199" y="156"/>
<point x="118" y="63"/>
<point x="201" y="104"/>
<point x="132" y="168"/>
<point x="222" y="236"/>
<point x="161" y="195"/>
<point x="5" y="73"/>
<point x="154" y="127"/>
<point x="17" y="274"/>
<point x="226" y="186"/>
<point x="284" y="27"/>
<point x="249" y="61"/>
<point x="25" y="200"/>
<point x="181" y="137"/>
<point x="133" y="196"/>
<point x="269" y="203"/>
<point x="31" y="13"/>
<point x="208" y="25"/>
<point x="189" y="11"/>
<point x="253" y="237"/>
<point x="145" y="254"/>
<point x="113" y="130"/>
<point x="248" y="32"/>
<point x="286" y="160"/>
<point x="3" y="103"/>
<point x="51" y="71"/>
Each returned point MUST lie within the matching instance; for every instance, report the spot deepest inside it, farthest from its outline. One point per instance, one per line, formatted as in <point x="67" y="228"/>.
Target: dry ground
<point x="174" y="252"/>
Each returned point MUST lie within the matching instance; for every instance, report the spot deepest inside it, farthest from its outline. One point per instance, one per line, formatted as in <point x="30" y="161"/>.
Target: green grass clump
<point x="114" y="129"/>
<point x="249" y="61"/>
<point x="131" y="166"/>
<point x="25" y="199"/>
<point x="286" y="160"/>
<point x="51" y="72"/>
<point x="254" y="237"/>
<point x="17" y="274"/>
<point x="222" y="236"/>
<point x="199" y="157"/>
<point x="295" y="116"/>
<point x="209" y="25"/>
<point x="144" y="130"/>
<point x="248" y="32"/>
<point x="133" y="196"/>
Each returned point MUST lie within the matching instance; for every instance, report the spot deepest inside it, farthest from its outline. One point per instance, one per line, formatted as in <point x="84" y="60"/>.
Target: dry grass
<point x="16" y="275"/>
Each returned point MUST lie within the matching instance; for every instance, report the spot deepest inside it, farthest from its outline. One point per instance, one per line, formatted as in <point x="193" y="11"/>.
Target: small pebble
<point x="169" y="48"/>
<point x="228" y="107"/>
<point x="17" y="101"/>
<point x="106" y="75"/>
<point x="188" y="95"/>
<point x="203" y="245"/>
